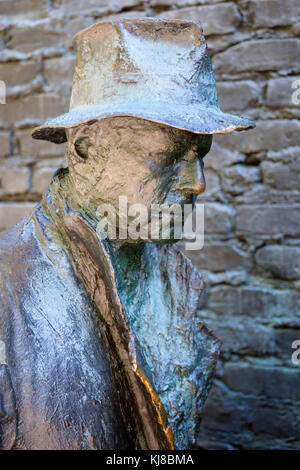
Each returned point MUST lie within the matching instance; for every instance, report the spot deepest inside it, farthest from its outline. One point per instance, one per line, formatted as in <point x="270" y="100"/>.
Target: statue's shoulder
<point x="13" y="245"/>
<point x="13" y="241"/>
<point x="7" y="240"/>
<point x="17" y="250"/>
<point x="9" y="247"/>
<point x="8" y="413"/>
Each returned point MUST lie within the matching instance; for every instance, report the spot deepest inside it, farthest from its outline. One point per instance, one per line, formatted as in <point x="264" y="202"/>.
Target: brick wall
<point x="251" y="258"/>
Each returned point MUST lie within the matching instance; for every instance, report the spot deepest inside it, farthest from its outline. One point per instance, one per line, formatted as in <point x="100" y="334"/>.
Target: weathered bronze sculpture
<point x="101" y="346"/>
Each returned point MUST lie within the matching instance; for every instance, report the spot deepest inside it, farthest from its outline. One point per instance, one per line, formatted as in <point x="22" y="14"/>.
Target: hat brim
<point x="194" y="119"/>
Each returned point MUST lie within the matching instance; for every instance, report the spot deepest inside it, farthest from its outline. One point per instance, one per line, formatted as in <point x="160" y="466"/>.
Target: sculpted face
<point x="144" y="161"/>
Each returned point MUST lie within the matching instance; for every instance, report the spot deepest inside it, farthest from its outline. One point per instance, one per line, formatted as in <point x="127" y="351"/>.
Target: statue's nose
<point x="192" y="180"/>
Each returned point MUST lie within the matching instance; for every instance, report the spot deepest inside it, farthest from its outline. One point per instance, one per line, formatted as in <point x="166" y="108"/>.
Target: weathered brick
<point x="281" y="176"/>
<point x="96" y="6"/>
<point x="268" y="135"/>
<point x="257" y="194"/>
<point x="243" y="336"/>
<point x="275" y="421"/>
<point x="19" y="73"/>
<point x="161" y="3"/>
<point x="273" y="426"/>
<point x="259" y="55"/>
<point x="268" y="220"/>
<point x="13" y="212"/>
<point x="4" y="27"/>
<point x="284" y="155"/>
<point x="14" y="180"/>
<point x="296" y="28"/>
<point x="240" y="95"/>
<point x="211" y="441"/>
<point x="220" y="157"/>
<point x="280" y="91"/>
<point x="282" y="261"/>
<point x="215" y="19"/>
<point x="35" y="108"/>
<point x="283" y="340"/>
<point x="270" y="13"/>
<point x="29" y="9"/>
<point x="126" y="14"/>
<point x="59" y="70"/>
<point x="261" y="194"/>
<point x="235" y="277"/>
<point x="33" y="36"/>
<point x="212" y="186"/>
<point x="38" y="148"/>
<point x="222" y="412"/>
<point x="4" y="144"/>
<point x="221" y="257"/>
<point x="218" y="218"/>
<point x="274" y="382"/>
<point x="76" y="24"/>
<point x="179" y="3"/>
<point x="250" y="301"/>
<point x="41" y="179"/>
<point x="237" y="178"/>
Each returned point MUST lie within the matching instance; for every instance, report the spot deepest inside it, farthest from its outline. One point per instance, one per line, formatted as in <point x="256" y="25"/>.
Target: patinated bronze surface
<point x="101" y="341"/>
<point x="155" y="69"/>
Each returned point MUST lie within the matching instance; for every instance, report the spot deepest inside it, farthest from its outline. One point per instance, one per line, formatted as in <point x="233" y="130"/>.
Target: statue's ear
<point x="82" y="145"/>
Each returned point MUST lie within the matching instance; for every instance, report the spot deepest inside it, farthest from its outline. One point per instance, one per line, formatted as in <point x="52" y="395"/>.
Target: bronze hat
<point x="155" y="69"/>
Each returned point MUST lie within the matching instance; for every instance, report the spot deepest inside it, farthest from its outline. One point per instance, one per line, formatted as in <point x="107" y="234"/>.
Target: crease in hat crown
<point x="154" y="69"/>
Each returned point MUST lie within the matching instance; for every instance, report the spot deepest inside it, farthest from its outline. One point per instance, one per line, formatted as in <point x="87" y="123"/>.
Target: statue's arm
<point x="8" y="412"/>
<point x="8" y="415"/>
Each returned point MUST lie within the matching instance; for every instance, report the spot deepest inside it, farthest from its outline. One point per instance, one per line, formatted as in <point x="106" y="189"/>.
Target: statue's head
<point x="143" y="111"/>
<point x="145" y="162"/>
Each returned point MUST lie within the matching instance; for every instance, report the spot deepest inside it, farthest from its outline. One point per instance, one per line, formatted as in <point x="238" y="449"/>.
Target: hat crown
<point x="145" y="60"/>
<point x="149" y="68"/>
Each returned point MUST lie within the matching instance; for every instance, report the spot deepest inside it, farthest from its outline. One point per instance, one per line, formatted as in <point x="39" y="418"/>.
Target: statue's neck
<point x="62" y="203"/>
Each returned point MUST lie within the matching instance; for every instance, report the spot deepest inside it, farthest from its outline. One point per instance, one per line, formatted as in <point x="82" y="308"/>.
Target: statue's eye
<point x="82" y="147"/>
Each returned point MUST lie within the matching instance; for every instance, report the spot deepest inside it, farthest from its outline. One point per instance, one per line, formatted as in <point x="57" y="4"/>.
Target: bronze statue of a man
<point x="101" y="345"/>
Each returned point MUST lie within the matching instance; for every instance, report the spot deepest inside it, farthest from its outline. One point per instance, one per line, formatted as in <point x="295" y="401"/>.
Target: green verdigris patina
<point x="160" y="292"/>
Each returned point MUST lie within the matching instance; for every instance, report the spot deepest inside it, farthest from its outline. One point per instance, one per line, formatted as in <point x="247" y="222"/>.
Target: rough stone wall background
<point x="251" y="258"/>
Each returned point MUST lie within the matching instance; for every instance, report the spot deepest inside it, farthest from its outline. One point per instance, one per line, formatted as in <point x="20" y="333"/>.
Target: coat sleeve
<point x="8" y="415"/>
<point x="8" y="408"/>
